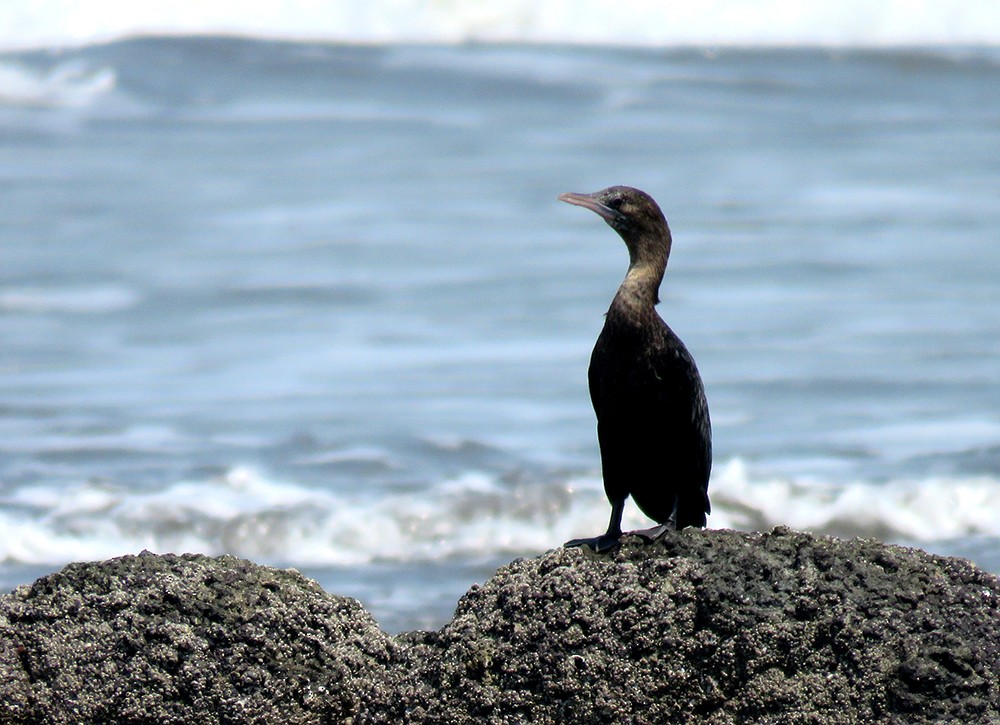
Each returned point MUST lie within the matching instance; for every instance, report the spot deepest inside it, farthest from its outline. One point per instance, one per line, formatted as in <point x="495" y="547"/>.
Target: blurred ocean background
<point x="296" y="287"/>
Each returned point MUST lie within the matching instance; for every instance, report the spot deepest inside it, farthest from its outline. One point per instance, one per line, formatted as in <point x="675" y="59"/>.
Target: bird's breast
<point x="643" y="365"/>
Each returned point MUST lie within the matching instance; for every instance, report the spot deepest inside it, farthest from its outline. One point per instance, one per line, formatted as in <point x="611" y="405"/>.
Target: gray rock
<point x="189" y="639"/>
<point x="703" y="626"/>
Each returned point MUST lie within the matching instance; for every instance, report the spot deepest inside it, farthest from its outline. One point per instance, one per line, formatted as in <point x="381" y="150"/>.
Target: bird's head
<point x="630" y="212"/>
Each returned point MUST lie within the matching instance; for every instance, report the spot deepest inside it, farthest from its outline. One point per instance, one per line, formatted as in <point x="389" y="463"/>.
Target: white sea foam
<point x="39" y="23"/>
<point x="68" y="84"/>
<point x="471" y="515"/>
<point x="931" y="509"/>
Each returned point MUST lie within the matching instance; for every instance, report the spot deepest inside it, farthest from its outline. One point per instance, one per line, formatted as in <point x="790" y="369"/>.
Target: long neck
<point x="640" y="290"/>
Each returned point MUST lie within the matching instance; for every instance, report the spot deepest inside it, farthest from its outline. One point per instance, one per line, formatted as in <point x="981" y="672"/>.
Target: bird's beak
<point x="587" y="201"/>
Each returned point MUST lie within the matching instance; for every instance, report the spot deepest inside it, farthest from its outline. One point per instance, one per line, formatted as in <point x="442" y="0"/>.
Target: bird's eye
<point x="615" y="202"/>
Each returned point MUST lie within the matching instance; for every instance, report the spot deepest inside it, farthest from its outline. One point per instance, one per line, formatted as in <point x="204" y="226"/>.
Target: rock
<point x="727" y="627"/>
<point x="703" y="626"/>
<point x="155" y="639"/>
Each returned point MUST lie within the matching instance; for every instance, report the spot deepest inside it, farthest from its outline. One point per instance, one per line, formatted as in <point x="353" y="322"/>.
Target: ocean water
<point x="315" y="303"/>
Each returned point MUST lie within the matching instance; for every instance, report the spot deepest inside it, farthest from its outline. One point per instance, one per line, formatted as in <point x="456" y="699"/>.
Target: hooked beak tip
<point x="587" y="201"/>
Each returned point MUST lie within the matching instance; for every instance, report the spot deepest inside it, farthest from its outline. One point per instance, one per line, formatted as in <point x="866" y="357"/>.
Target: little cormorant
<point x="653" y="426"/>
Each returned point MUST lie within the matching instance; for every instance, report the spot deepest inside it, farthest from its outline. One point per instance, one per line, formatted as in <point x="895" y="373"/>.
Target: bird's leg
<point x="610" y="539"/>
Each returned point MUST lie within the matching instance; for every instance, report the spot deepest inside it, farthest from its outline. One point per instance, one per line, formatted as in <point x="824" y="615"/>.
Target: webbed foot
<point x="652" y="534"/>
<point x="600" y="544"/>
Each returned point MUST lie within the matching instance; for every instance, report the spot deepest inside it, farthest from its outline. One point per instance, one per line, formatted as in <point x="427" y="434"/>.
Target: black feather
<point x="653" y="424"/>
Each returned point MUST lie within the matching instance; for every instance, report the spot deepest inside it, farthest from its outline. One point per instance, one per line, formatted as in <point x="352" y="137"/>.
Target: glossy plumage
<point x="653" y="424"/>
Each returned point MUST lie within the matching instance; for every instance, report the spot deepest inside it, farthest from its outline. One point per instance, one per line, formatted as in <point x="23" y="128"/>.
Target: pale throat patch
<point x="639" y="288"/>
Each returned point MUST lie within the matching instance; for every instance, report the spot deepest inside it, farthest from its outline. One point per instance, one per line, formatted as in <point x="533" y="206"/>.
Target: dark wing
<point x="695" y="449"/>
<point x="652" y="421"/>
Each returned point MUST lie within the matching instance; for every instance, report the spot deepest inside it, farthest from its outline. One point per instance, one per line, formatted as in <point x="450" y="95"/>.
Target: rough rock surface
<point x="704" y="626"/>
<point x="150" y="638"/>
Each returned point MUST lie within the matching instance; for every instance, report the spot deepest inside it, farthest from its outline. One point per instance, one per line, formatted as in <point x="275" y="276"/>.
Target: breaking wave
<point x="472" y="515"/>
<point x="66" y="85"/>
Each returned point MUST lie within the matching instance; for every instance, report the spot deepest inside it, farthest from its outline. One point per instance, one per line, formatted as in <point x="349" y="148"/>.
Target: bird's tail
<point x="692" y="510"/>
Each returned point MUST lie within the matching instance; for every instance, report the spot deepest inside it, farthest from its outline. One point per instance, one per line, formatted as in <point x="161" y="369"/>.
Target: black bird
<point x="652" y="417"/>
